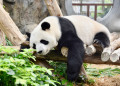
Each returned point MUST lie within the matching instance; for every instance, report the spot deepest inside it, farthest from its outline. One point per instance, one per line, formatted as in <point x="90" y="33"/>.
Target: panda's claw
<point x="98" y="42"/>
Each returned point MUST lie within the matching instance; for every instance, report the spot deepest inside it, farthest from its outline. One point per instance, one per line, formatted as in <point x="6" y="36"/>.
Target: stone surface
<point x="25" y="12"/>
<point x="29" y="12"/>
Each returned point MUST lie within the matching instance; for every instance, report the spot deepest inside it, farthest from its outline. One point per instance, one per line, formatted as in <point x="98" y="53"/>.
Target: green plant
<point x="60" y="70"/>
<point x="17" y="69"/>
<point x="102" y="72"/>
<point x="8" y="43"/>
<point x="3" y="6"/>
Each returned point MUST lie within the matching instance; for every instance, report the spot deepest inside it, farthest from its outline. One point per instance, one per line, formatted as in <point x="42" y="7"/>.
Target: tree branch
<point x="56" y="55"/>
<point x="94" y="59"/>
<point x="9" y="28"/>
<point x="53" y="8"/>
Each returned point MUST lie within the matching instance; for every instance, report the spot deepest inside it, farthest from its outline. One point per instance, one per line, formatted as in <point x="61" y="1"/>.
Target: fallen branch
<point x="2" y="35"/>
<point x="2" y="38"/>
<point x="1" y="1"/>
<point x="53" y="8"/>
<point x="115" y="55"/>
<point x="9" y="28"/>
<point x="114" y="36"/>
<point x="55" y="55"/>
<point x="108" y="51"/>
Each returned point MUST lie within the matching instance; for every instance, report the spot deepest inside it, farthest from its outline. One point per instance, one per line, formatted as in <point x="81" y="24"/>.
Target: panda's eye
<point x="44" y="42"/>
<point x="34" y="46"/>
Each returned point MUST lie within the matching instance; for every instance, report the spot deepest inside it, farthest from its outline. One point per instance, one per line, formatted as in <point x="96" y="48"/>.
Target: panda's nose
<point x="40" y="52"/>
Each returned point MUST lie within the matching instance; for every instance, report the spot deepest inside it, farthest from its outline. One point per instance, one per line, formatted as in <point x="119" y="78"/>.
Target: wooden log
<point x="2" y="38"/>
<point x="2" y="35"/>
<point x="83" y="72"/>
<point x="55" y="55"/>
<point x="9" y="28"/>
<point x="1" y="1"/>
<point x="115" y="55"/>
<point x="43" y="63"/>
<point x="108" y="51"/>
<point x="106" y="54"/>
<point x="53" y="8"/>
<point x="114" y="36"/>
<point x="94" y="59"/>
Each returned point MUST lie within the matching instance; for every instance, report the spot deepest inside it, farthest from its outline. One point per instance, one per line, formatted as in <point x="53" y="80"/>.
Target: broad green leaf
<point x="21" y="81"/>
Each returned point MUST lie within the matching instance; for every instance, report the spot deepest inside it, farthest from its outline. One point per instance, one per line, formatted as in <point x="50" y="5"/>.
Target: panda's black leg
<point x="75" y="59"/>
<point x="102" y="39"/>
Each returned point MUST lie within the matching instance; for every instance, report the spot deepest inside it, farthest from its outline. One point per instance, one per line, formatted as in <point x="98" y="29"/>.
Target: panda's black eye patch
<point x="34" y="46"/>
<point x="45" y="25"/>
<point x="44" y="42"/>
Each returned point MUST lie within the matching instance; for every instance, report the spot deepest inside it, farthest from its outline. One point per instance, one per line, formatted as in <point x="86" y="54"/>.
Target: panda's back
<point x="86" y="28"/>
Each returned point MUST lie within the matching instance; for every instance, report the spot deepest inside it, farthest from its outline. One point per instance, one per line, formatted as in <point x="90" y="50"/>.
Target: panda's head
<point x="45" y="36"/>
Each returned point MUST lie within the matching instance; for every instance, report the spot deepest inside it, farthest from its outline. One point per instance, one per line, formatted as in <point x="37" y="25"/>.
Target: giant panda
<point x="71" y="32"/>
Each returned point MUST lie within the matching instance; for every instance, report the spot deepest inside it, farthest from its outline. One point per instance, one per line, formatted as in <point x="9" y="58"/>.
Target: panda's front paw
<point x="64" y="51"/>
<point x="72" y="76"/>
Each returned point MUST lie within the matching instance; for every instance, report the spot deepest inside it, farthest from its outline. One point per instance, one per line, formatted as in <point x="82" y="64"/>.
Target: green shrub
<point x="17" y="69"/>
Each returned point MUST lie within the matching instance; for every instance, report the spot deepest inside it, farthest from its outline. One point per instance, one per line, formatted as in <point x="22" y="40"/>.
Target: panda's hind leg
<point x="102" y="39"/>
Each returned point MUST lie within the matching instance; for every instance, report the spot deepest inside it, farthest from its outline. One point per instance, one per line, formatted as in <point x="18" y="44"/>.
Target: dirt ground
<point x="105" y="81"/>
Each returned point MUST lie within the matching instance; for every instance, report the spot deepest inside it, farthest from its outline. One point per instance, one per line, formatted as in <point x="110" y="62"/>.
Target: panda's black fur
<point x="66" y="36"/>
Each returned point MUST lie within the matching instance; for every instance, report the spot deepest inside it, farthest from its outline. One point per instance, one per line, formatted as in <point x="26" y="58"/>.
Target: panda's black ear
<point x="28" y="34"/>
<point x="45" y="26"/>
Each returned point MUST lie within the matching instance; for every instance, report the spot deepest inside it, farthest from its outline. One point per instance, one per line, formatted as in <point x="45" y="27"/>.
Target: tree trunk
<point x="109" y="50"/>
<point x="26" y="13"/>
<point x="1" y="1"/>
<point x="115" y="55"/>
<point x="2" y="35"/>
<point x="2" y="38"/>
<point x="56" y="56"/>
<point x="9" y="28"/>
<point x="53" y="8"/>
